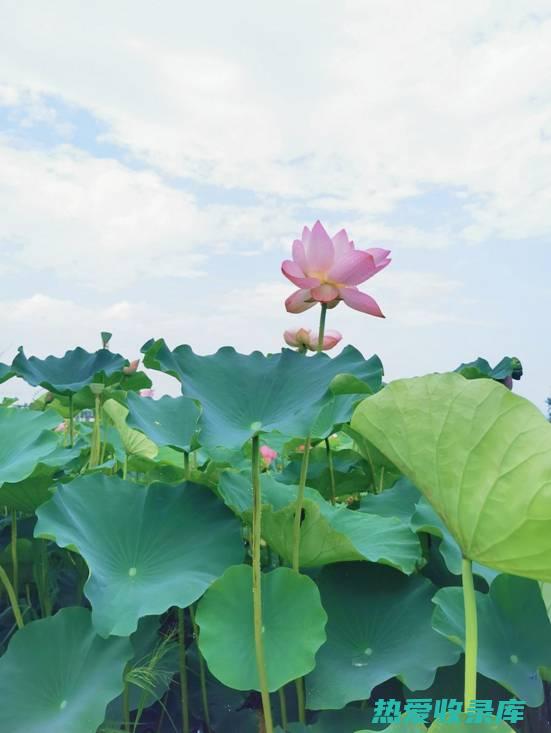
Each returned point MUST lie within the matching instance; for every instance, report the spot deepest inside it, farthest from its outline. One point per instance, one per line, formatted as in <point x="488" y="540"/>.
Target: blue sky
<point x="156" y="163"/>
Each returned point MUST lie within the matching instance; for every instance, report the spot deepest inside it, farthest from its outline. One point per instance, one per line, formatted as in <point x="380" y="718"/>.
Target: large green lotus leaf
<point x="6" y="372"/>
<point x="352" y="475"/>
<point x="398" y="501"/>
<point x="134" y="442"/>
<point x="26" y="439"/>
<point x="58" y="675"/>
<point x="514" y="635"/>
<point x="482" y="457"/>
<point x="480" y="369"/>
<point x="384" y="473"/>
<point x="242" y="395"/>
<point x="328" y="533"/>
<point x="147" y="547"/>
<point x="425" y="519"/>
<point x="464" y="726"/>
<point x="28" y="494"/>
<point x="379" y="627"/>
<point x="290" y="606"/>
<point x="170" y="421"/>
<point x="348" y="720"/>
<point x="69" y="373"/>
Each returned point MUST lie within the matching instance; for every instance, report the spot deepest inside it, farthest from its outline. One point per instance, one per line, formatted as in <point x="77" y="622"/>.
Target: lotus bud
<point x="131" y="368"/>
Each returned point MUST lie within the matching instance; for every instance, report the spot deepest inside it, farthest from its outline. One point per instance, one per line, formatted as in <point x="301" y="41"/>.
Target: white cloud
<point x="373" y="99"/>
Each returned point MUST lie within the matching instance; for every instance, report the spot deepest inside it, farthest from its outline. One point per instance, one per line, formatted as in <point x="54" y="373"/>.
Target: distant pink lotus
<point x="303" y="338"/>
<point x="147" y="392"/>
<point x="327" y="270"/>
<point x="268" y="455"/>
<point x="60" y="428"/>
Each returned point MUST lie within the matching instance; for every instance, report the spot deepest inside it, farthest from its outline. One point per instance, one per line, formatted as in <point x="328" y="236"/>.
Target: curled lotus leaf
<point x="481" y="455"/>
<point x="243" y="395"/>
<point x="66" y="375"/>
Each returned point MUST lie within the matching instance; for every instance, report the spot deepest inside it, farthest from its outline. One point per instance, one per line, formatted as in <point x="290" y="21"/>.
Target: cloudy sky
<point x="158" y="159"/>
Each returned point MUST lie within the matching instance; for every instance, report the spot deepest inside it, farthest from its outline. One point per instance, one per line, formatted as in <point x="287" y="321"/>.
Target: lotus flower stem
<point x="184" y="697"/>
<point x="126" y="705"/>
<point x="282" y="708"/>
<point x="331" y="471"/>
<point x="471" y="632"/>
<point x="300" y="502"/>
<point x="71" y="422"/>
<point x="321" y="331"/>
<point x="13" y="598"/>
<point x="14" y="557"/>
<point x="296" y="556"/>
<point x="202" y="673"/>
<point x="257" y="586"/>
<point x="186" y="465"/>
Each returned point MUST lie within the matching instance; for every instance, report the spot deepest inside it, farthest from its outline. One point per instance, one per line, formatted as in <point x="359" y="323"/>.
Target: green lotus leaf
<point x="29" y="493"/>
<point x="351" y="472"/>
<point x="134" y="442"/>
<point x="6" y="372"/>
<point x="58" y="675"/>
<point x="464" y="726"/>
<point x="170" y="421"/>
<point x="26" y="439"/>
<point x="290" y="605"/>
<point x="401" y="726"/>
<point x="398" y="501"/>
<point x="69" y="373"/>
<point x="514" y="636"/>
<point x="425" y="519"/>
<point x="329" y="533"/>
<point x="480" y="369"/>
<point x="348" y="720"/>
<point x="384" y="473"/>
<point x="244" y="395"/>
<point x="147" y="547"/>
<point x="482" y="457"/>
<point x="379" y="627"/>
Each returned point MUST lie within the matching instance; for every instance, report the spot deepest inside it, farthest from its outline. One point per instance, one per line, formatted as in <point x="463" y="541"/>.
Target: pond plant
<point x="290" y="545"/>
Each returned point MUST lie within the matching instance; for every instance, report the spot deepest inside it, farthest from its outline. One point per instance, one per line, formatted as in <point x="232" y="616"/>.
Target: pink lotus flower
<point x="303" y="338"/>
<point x="327" y="270"/>
<point x="132" y="367"/>
<point x="268" y="455"/>
<point x="147" y="392"/>
<point x="60" y="428"/>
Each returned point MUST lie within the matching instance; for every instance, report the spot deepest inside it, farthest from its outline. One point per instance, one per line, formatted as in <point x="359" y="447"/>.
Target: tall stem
<point x="331" y="471"/>
<point x="282" y="708"/>
<point x="300" y="502"/>
<point x="186" y="465"/>
<point x="184" y="697"/>
<point x="321" y="331"/>
<point x="71" y="422"/>
<point x="13" y="598"/>
<point x="202" y="673"/>
<point x="14" y="558"/>
<point x="296" y="557"/>
<point x="257" y="587"/>
<point x="471" y="632"/>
